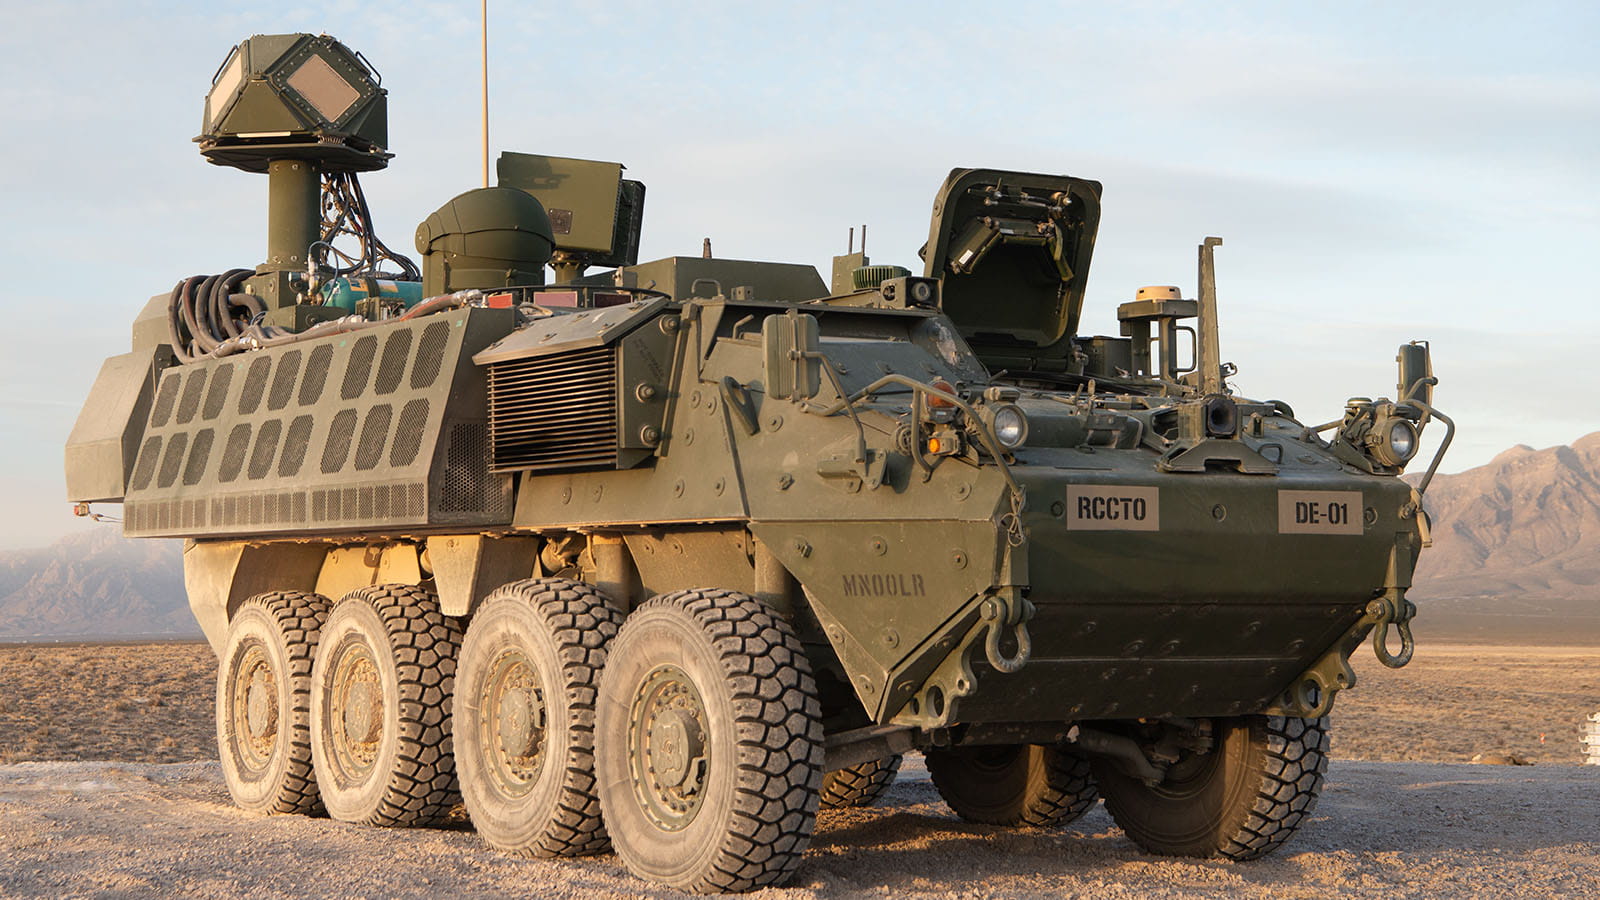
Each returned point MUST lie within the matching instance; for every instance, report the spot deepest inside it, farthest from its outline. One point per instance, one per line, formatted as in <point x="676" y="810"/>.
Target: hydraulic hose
<point x="207" y="317"/>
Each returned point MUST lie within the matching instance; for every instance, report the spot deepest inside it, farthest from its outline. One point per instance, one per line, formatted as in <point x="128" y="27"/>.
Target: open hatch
<point x="1013" y="249"/>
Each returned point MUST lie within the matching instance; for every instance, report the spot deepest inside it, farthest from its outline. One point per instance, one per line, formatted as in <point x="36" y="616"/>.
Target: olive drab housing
<point x="596" y="522"/>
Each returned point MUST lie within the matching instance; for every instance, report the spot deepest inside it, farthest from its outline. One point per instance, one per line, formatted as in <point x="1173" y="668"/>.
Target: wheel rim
<point x="254" y="708"/>
<point x="512" y="723"/>
<point x="357" y="710"/>
<point x="668" y="751"/>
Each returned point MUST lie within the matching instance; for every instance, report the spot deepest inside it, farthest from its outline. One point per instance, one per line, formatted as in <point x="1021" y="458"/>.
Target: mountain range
<point x="1516" y="547"/>
<point x="1516" y="557"/>
<point x="94" y="584"/>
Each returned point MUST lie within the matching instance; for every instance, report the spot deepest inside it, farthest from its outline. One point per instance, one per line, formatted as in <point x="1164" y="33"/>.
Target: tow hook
<point x="1392" y="609"/>
<point x="997" y="613"/>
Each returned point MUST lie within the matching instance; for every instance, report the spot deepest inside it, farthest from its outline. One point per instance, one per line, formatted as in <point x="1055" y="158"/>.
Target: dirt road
<point x="1390" y="830"/>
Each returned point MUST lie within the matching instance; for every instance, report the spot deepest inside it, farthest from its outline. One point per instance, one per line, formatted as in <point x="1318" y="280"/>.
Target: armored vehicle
<point x="662" y="556"/>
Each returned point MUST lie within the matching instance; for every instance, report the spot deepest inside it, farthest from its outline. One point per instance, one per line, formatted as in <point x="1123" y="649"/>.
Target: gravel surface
<point x="1391" y="830"/>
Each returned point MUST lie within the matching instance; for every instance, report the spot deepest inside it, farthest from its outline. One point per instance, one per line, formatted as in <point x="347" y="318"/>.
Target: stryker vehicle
<point x="661" y="556"/>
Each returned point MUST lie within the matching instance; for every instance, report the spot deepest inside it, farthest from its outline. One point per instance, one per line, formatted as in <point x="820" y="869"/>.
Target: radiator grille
<point x="408" y="437"/>
<point x="374" y="432"/>
<point x="316" y="375"/>
<point x="255" y="383"/>
<point x="266" y="449"/>
<point x="164" y="400"/>
<point x="199" y="455"/>
<point x="359" y="370"/>
<point x="149" y="455"/>
<point x="294" y="446"/>
<point x="396" y="350"/>
<point x="233" y="454"/>
<point x="430" y="356"/>
<point x="283" y="380"/>
<point x="193" y="388"/>
<point x="337" y="449"/>
<point x="218" y="394"/>
<point x="554" y="412"/>
<point x="172" y="461"/>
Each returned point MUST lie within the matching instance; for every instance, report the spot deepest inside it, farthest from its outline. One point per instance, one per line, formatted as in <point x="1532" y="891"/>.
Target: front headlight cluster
<point x="1010" y="426"/>
<point x="1390" y="436"/>
<point x="1395" y="443"/>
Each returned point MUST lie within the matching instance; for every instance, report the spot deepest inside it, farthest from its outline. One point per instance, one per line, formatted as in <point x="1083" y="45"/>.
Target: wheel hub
<point x="513" y="728"/>
<point x="675" y="742"/>
<point x="253" y="707"/>
<point x="358" y="709"/>
<point x="668" y="751"/>
<point x="361" y="720"/>
<point x="518" y="734"/>
<point x="261" y="705"/>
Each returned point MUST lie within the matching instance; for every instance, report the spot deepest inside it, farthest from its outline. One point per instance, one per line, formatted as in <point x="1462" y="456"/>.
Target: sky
<point x="1379" y="172"/>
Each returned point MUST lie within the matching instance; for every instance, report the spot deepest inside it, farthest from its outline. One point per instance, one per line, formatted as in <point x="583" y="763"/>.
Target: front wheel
<point x="1240" y="800"/>
<point x="708" y="743"/>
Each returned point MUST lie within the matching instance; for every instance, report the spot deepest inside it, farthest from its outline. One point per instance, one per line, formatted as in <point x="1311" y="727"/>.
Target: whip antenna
<point x="483" y="9"/>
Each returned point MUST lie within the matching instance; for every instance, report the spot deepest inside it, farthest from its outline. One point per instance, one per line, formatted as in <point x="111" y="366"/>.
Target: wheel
<point x="708" y="743"/>
<point x="1019" y="785"/>
<point x="862" y="784"/>
<point x="263" y="706"/>
<point x="524" y="716"/>
<point x="1241" y="800"/>
<point x="380" y="721"/>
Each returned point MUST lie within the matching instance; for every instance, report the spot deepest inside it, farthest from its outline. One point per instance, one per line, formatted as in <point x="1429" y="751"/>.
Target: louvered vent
<point x="554" y="412"/>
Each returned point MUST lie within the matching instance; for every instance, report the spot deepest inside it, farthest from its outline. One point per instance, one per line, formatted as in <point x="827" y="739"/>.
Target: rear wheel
<point x="263" y="709"/>
<point x="709" y="743"/>
<point x="380" y="720"/>
<point x="524" y="716"/>
<point x="862" y="784"/>
<point x="1242" y="799"/>
<point x="1019" y="785"/>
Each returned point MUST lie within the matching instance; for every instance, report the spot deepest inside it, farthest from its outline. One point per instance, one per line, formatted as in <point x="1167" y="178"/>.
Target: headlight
<point x="1403" y="440"/>
<point x="1394" y="442"/>
<point x="1010" y="426"/>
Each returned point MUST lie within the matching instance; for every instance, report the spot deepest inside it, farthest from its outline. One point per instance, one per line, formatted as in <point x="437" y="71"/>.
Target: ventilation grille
<point x="165" y="398"/>
<point x="383" y="430"/>
<point x="554" y="412"/>
<point x="192" y="390"/>
<point x="218" y="395"/>
<point x="316" y="375"/>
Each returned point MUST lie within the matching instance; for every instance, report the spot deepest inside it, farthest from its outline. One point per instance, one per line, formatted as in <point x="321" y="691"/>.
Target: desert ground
<point x="108" y="787"/>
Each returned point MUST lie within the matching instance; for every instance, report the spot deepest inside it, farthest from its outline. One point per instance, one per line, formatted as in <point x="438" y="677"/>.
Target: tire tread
<point x="778" y="735"/>
<point x="299" y="616"/>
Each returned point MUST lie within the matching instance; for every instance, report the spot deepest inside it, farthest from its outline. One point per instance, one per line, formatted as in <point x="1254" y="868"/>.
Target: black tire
<point x="380" y="717"/>
<point x="1019" y="785"/>
<point x="524" y="716"/>
<point x="709" y="743"/>
<point x="862" y="784"/>
<point x="263" y="708"/>
<point x="1241" y="800"/>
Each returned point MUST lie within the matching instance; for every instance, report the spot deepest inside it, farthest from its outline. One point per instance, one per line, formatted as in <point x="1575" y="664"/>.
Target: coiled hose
<point x="207" y="318"/>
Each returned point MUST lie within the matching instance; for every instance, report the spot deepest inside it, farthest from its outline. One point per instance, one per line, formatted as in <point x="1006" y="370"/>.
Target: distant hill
<point x="1516" y="550"/>
<point x="95" y="585"/>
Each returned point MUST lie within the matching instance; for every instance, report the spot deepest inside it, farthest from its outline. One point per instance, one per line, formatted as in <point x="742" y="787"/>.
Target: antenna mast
<point x="483" y="10"/>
